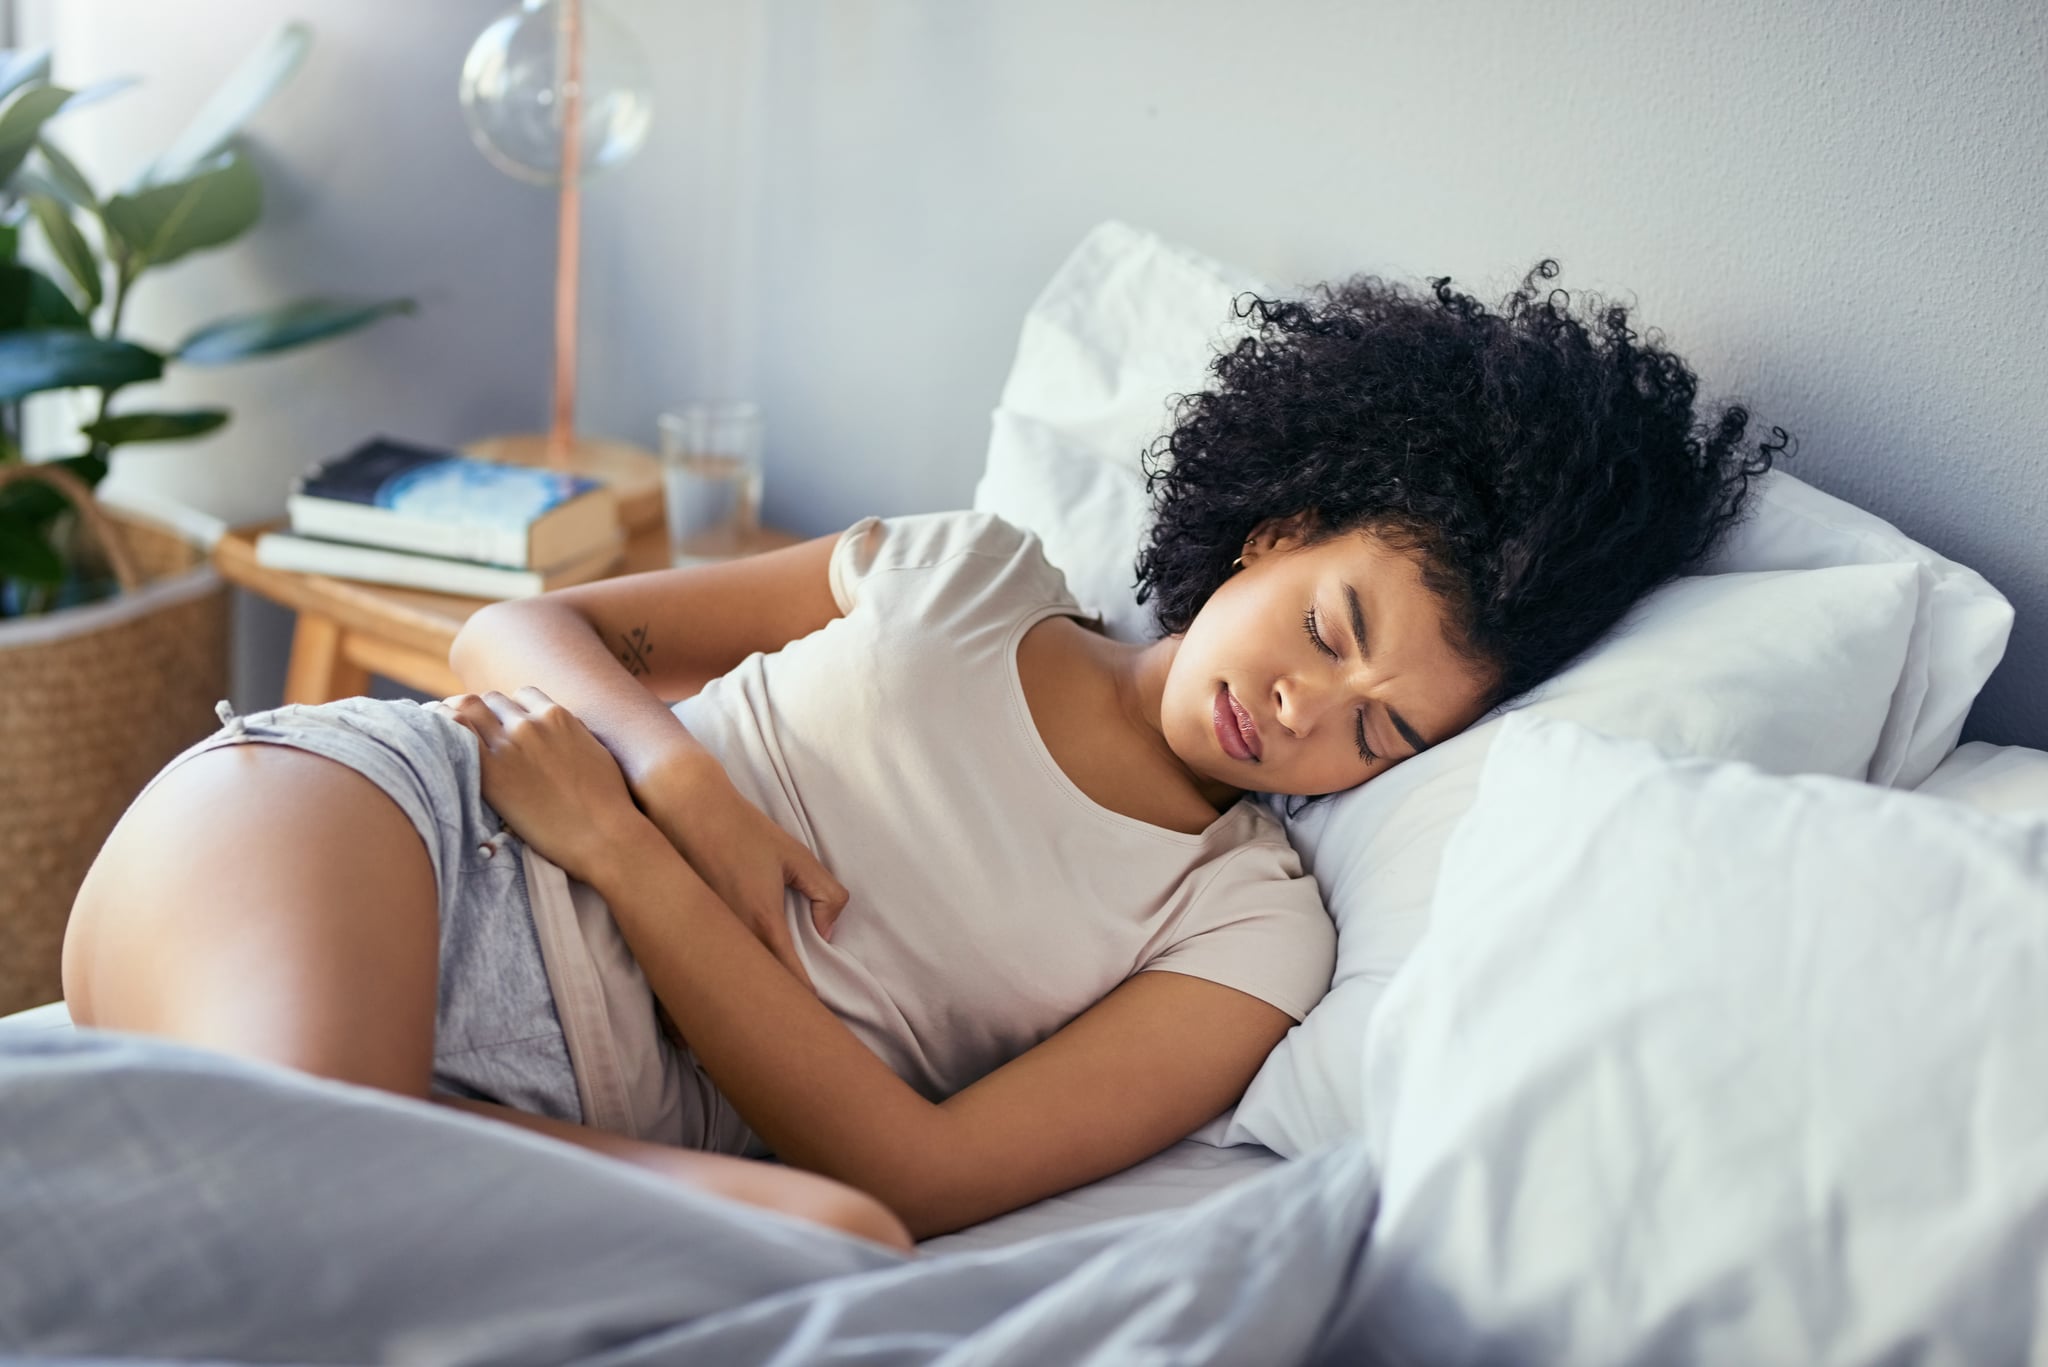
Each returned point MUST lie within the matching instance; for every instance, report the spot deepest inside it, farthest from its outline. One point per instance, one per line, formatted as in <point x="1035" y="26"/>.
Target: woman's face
<point x="1252" y="701"/>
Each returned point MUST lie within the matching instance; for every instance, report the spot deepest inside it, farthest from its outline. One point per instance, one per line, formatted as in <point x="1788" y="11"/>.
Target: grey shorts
<point x="496" y="1033"/>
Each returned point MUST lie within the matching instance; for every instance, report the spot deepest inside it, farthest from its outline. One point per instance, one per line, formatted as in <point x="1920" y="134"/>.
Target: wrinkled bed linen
<point x="162" y="1202"/>
<point x="1178" y="1176"/>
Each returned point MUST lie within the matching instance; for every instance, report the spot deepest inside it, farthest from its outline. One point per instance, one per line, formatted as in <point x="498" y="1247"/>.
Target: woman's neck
<point x="1138" y="676"/>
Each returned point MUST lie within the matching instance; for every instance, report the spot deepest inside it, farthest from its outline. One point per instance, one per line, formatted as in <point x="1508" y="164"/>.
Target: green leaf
<point x="232" y="105"/>
<point x="127" y="427"/>
<point x="93" y="94"/>
<point x="159" y="225"/>
<point x="21" y="119"/>
<point x="19" y="66"/>
<point x="70" y="246"/>
<point x="25" y="553"/>
<point x="288" y="325"/>
<point x="35" y="502"/>
<point x="71" y="183"/>
<point x="30" y="299"/>
<point x="10" y="241"/>
<point x="62" y="358"/>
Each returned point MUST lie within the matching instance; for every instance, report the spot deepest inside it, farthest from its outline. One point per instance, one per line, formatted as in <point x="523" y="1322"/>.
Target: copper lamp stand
<point x="632" y="470"/>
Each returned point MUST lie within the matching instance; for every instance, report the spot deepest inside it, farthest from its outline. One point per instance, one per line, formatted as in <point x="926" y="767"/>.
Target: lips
<point x="1236" y="732"/>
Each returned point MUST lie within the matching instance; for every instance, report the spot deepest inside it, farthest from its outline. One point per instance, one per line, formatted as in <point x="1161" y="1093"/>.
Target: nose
<point x="1300" y="705"/>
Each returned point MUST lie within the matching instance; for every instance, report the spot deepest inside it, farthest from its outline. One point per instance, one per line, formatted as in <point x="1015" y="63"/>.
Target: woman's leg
<point x="268" y="902"/>
<point x="272" y="903"/>
<point x="793" y="1191"/>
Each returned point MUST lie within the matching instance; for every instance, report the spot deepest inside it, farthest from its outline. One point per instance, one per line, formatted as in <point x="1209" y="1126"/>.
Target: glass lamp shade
<point x="512" y="84"/>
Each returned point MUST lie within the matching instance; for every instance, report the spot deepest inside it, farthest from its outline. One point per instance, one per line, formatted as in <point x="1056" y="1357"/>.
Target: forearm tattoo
<point x="633" y="650"/>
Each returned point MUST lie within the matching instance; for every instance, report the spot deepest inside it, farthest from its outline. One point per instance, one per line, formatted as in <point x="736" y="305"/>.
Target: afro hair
<point x="1549" y="469"/>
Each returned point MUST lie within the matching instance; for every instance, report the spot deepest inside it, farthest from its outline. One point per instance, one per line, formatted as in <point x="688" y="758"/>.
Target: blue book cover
<point x="437" y="485"/>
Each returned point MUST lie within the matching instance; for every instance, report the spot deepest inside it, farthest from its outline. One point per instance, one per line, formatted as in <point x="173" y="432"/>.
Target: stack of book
<point x="428" y="518"/>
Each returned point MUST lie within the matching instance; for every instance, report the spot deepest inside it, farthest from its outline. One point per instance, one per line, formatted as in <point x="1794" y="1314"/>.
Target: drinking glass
<point x="711" y="478"/>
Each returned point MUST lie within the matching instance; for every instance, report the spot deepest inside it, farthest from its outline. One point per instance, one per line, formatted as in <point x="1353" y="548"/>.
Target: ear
<point x="1278" y="534"/>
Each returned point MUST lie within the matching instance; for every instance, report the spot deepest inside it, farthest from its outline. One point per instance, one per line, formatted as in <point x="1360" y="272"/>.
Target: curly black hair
<point x="1549" y="469"/>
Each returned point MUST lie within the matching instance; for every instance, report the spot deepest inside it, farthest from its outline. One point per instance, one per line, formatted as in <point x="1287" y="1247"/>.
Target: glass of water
<point x="711" y="478"/>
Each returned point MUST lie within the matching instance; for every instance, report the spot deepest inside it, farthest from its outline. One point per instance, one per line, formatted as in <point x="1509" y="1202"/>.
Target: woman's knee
<point x="852" y="1211"/>
<point x="834" y="1204"/>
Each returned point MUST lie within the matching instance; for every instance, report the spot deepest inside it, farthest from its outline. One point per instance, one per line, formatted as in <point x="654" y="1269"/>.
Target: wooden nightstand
<point x="348" y="630"/>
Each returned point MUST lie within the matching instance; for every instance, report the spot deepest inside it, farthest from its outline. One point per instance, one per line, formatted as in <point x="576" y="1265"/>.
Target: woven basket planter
<point x="94" y="700"/>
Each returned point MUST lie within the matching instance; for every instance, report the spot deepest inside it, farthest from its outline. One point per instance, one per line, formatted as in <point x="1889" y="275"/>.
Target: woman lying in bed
<point x="946" y="899"/>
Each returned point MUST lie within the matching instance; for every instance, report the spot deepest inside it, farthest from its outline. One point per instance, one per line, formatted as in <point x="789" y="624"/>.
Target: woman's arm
<point x="616" y="652"/>
<point x="1154" y="1060"/>
<point x="553" y="647"/>
<point x="611" y="651"/>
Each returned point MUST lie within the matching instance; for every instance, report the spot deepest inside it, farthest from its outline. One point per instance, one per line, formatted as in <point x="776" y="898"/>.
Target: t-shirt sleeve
<point x="974" y="561"/>
<point x="853" y="559"/>
<point x="1259" y="926"/>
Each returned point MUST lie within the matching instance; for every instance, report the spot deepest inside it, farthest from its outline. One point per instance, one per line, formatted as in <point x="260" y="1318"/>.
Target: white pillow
<point x="1040" y="479"/>
<point x="1127" y="321"/>
<point x="1699" y="1064"/>
<point x="1993" y="778"/>
<point x="1130" y="318"/>
<point x="1791" y="670"/>
<point x="1959" y="628"/>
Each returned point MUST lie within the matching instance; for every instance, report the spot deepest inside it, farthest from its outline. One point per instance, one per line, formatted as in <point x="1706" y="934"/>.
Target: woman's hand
<point x="553" y="782"/>
<point x="744" y="857"/>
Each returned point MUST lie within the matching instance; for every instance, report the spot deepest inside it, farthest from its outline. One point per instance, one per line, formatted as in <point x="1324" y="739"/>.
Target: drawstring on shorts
<point x="226" y="712"/>
<point x="497" y="842"/>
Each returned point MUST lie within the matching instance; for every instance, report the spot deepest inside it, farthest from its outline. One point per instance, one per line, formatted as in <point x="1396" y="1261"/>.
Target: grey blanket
<point x="162" y="1202"/>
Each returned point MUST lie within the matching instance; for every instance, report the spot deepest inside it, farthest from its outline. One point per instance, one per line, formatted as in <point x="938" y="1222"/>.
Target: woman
<point x="899" y="868"/>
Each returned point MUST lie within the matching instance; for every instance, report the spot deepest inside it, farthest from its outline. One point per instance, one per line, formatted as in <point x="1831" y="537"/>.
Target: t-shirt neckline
<point x="1021" y="709"/>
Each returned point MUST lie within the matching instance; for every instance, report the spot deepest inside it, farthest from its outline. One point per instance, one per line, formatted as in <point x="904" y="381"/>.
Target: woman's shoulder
<point x="1253" y="849"/>
<point x="967" y="551"/>
<point x="1256" y="923"/>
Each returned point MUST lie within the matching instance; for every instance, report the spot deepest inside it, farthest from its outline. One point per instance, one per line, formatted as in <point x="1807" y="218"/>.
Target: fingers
<point x="479" y="714"/>
<point x="535" y="701"/>
<point x="507" y="710"/>
<point x="827" y="894"/>
<point x="490" y="713"/>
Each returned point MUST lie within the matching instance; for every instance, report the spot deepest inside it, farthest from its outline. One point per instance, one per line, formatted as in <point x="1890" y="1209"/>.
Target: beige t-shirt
<point x="991" y="900"/>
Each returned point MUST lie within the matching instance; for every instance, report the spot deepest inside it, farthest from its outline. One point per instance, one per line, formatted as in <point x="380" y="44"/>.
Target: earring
<point x="1238" y="563"/>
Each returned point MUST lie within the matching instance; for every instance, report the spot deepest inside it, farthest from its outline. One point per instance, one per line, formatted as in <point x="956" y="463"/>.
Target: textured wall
<point x="1833" y="210"/>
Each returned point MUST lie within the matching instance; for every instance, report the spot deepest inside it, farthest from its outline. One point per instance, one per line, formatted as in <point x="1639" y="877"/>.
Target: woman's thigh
<point x="269" y="902"/>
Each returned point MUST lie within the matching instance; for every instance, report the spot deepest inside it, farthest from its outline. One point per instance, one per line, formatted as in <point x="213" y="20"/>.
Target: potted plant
<point x="113" y="627"/>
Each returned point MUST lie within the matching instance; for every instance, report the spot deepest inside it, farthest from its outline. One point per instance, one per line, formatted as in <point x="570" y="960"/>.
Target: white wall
<point x="1833" y="210"/>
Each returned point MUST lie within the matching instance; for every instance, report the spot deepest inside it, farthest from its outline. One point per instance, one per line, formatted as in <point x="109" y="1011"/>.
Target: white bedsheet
<point x="1178" y="1176"/>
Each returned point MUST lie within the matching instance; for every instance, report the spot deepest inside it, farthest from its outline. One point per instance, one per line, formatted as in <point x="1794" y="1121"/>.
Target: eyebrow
<point x="1408" y="733"/>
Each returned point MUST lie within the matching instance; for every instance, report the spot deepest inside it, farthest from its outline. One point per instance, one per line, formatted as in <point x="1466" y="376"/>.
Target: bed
<point x="1552" y="1167"/>
<point x="1692" y="1009"/>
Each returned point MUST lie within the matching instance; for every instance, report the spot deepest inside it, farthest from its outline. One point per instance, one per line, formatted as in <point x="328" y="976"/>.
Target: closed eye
<point x="1308" y="622"/>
